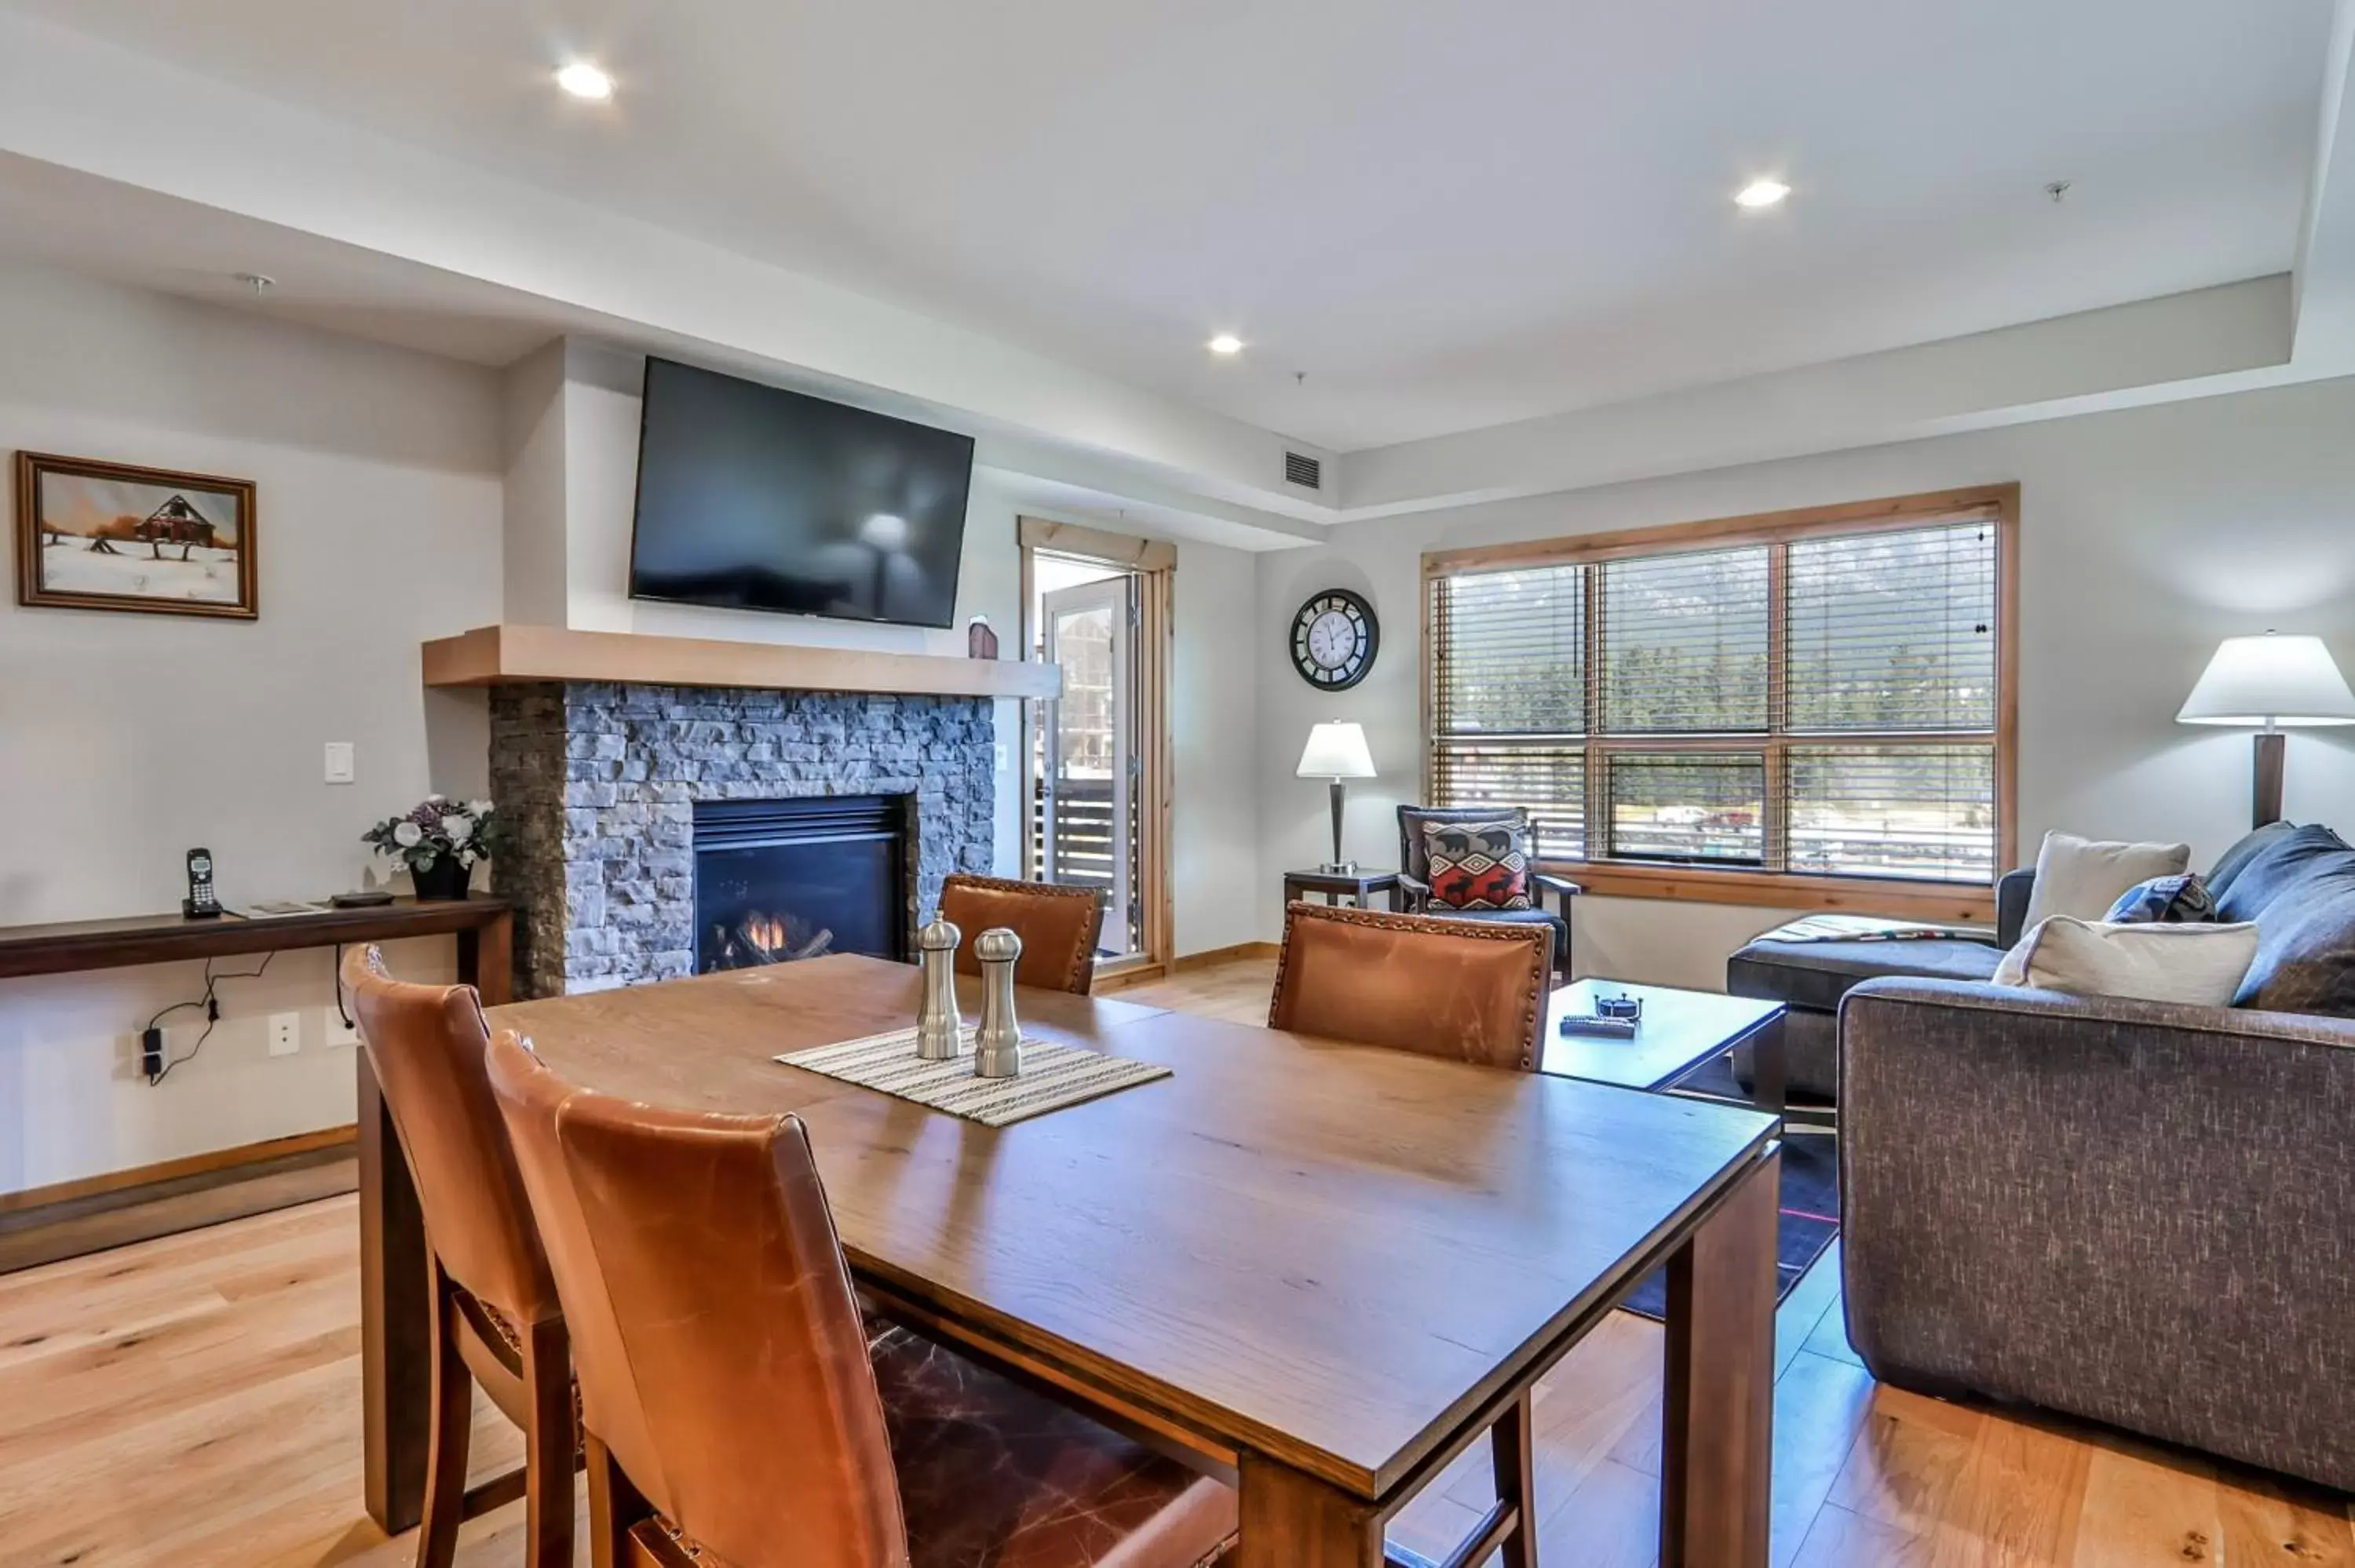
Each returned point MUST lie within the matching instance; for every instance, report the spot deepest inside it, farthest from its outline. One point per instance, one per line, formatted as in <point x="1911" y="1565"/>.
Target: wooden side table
<point x="1359" y="884"/>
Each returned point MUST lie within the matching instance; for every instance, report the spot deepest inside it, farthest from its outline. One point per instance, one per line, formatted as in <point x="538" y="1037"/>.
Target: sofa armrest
<point x="2012" y="891"/>
<point x="1413" y="894"/>
<point x="2106" y="1207"/>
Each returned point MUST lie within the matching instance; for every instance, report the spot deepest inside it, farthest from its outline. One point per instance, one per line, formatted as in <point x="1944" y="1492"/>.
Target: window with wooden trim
<point x="1819" y="695"/>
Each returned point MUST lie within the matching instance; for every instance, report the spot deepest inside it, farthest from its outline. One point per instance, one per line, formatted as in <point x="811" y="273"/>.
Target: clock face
<point x="1333" y="638"/>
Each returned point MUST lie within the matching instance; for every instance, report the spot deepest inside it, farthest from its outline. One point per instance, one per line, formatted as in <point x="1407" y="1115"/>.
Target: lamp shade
<point x="1336" y="750"/>
<point x="2270" y="680"/>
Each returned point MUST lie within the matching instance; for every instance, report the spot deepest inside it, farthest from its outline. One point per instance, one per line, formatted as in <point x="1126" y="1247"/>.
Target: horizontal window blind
<point x="1516" y="651"/>
<point x="1509" y="698"/>
<point x="1684" y="643"/>
<point x="1548" y="782"/>
<point x="1817" y="700"/>
<point x="1893" y="632"/>
<point x="1921" y="811"/>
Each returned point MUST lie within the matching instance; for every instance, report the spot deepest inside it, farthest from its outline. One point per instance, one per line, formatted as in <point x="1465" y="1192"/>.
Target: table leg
<point x="396" y="1320"/>
<point x="486" y="960"/>
<point x="1292" y="1521"/>
<point x="1769" y="1062"/>
<point x="1719" y="1421"/>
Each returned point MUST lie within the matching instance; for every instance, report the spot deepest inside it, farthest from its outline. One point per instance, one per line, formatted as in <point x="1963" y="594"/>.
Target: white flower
<point x="435" y="800"/>
<point x="460" y="829"/>
<point x="407" y="835"/>
<point x="478" y="808"/>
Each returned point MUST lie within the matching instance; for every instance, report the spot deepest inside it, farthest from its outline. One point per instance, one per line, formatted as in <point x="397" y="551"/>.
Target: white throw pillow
<point x="2201" y="965"/>
<point x="2084" y="876"/>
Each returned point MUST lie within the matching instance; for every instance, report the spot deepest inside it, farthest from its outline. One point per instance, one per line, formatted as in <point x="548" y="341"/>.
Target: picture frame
<point x="92" y="535"/>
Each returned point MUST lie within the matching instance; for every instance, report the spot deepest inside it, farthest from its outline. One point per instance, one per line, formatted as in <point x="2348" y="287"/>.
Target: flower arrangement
<point x="439" y="842"/>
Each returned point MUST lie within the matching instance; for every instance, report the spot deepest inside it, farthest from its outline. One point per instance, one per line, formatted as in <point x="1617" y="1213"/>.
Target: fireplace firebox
<point x="776" y="881"/>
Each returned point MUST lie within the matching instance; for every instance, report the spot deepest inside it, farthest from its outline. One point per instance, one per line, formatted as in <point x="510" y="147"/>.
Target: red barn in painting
<point x="175" y="522"/>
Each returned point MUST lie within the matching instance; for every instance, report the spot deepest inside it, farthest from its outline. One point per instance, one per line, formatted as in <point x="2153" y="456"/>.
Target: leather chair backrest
<point x="1059" y="927"/>
<point x="743" y="1339"/>
<point x="427" y="1045"/>
<point x="1469" y="989"/>
<point x="530" y="1097"/>
<point x="1414" y="849"/>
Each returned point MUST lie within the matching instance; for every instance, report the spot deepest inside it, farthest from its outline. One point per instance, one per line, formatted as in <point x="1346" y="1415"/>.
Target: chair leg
<point x="550" y="1443"/>
<point x="614" y="1505"/>
<point x="450" y="1425"/>
<point x="1515" y="1455"/>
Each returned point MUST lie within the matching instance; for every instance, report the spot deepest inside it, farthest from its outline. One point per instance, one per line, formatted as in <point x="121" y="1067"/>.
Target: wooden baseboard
<point x="1240" y="952"/>
<point x="1130" y="972"/>
<point x="187" y="1165"/>
<point x="73" y="1219"/>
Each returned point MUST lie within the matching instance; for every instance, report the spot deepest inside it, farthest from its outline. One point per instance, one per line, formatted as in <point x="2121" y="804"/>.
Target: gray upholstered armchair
<point x="1415" y="876"/>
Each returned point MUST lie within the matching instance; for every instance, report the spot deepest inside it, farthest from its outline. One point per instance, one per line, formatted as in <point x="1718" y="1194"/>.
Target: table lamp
<point x="2270" y="683"/>
<point x="1337" y="751"/>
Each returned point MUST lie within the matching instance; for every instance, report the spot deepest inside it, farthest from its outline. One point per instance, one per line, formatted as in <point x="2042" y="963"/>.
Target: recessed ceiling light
<point x="583" y="80"/>
<point x="1226" y="343"/>
<point x="1761" y="193"/>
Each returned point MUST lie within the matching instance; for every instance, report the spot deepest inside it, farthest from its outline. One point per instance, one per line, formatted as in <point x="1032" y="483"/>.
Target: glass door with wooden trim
<point x="1084" y="816"/>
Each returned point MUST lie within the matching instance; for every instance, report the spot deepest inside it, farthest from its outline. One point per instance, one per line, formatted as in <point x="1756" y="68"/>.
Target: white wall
<point x="1214" y="704"/>
<point x="2146" y="535"/>
<point x="125" y="739"/>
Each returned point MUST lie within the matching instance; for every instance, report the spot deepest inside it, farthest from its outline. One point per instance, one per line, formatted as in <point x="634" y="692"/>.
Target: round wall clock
<point x="1333" y="638"/>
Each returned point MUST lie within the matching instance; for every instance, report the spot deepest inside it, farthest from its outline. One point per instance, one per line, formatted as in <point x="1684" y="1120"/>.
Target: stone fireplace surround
<point x="597" y="782"/>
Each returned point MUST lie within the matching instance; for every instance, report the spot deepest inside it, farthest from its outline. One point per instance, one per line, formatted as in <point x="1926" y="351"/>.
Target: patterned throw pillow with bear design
<point x="1478" y="865"/>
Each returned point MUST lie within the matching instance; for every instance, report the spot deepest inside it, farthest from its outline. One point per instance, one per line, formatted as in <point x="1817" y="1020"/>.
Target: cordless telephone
<point x="200" y="904"/>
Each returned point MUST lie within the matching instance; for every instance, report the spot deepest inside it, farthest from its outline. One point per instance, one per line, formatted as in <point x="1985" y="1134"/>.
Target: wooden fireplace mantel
<point x="495" y="655"/>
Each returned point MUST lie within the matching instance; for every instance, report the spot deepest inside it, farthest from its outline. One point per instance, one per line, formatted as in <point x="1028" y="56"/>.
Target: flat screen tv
<point x="751" y="497"/>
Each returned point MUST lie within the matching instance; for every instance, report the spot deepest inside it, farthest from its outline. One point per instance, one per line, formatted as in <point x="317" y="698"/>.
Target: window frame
<point x="1908" y="897"/>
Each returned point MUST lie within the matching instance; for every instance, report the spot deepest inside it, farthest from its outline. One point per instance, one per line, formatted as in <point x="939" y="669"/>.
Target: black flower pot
<point x="446" y="878"/>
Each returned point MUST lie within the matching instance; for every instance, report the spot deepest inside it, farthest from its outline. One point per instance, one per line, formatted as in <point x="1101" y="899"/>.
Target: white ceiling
<point x="1448" y="216"/>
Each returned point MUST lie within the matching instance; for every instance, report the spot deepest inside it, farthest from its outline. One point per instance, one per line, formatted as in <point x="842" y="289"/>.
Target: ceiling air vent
<point x="1305" y="472"/>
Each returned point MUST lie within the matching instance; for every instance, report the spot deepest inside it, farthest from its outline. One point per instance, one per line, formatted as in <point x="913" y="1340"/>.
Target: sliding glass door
<point x="1087" y="778"/>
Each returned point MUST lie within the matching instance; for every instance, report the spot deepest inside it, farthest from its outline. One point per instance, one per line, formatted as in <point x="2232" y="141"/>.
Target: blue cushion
<point x="2164" y="900"/>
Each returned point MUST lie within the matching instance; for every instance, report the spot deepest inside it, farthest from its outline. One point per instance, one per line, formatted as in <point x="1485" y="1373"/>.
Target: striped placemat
<point x="1052" y="1076"/>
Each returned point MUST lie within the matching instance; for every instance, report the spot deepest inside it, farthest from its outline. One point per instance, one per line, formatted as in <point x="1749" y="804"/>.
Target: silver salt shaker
<point x="938" y="1021"/>
<point x="997" y="1048"/>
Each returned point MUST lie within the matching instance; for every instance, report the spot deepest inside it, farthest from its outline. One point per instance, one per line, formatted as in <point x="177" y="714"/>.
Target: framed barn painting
<point x="104" y="536"/>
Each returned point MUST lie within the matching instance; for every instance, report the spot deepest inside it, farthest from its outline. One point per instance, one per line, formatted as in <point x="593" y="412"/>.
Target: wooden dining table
<point x="1319" y="1270"/>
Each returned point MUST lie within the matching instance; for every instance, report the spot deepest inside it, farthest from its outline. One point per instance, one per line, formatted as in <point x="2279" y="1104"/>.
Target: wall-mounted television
<point x="751" y="497"/>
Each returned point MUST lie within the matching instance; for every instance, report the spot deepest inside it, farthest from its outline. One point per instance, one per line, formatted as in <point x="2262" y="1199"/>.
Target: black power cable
<point x="210" y="1003"/>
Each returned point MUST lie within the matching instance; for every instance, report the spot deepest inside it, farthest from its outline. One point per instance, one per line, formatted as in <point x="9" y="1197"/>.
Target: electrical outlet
<point x="334" y="1031"/>
<point x="285" y="1034"/>
<point x="340" y="766"/>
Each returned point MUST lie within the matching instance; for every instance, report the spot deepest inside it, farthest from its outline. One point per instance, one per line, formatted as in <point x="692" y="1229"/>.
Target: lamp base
<point x="1339" y="868"/>
<point x="2265" y="794"/>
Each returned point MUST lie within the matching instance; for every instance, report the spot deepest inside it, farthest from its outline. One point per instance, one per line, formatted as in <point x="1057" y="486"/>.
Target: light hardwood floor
<point x="195" y="1401"/>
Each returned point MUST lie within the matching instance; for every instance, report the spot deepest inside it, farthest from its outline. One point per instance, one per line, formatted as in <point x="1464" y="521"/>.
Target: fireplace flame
<point x="766" y="932"/>
<point x="760" y="938"/>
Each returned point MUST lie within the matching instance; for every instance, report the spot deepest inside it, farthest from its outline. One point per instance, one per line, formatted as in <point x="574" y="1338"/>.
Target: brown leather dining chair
<point x="740" y="1411"/>
<point x="1460" y="988"/>
<point x="495" y="1320"/>
<point x="1444" y="987"/>
<point x="1059" y="927"/>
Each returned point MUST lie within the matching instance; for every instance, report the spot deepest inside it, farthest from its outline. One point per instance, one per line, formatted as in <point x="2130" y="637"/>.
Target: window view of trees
<point x="1881" y="655"/>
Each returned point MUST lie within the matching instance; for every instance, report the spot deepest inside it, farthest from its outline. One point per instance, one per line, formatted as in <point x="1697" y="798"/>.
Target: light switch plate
<point x="1001" y="756"/>
<point x="285" y="1034"/>
<point x="340" y="766"/>
<point x="335" y="1032"/>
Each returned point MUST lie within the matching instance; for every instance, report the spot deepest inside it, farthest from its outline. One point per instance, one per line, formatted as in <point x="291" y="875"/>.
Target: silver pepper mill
<point x="938" y="1022"/>
<point x="997" y="1048"/>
